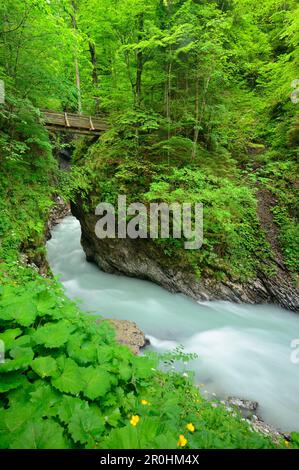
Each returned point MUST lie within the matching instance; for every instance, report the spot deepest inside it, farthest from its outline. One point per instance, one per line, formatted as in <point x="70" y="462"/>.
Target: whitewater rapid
<point x="243" y="350"/>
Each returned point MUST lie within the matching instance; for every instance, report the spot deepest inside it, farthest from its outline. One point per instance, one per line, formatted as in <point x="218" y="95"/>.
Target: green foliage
<point x="198" y="96"/>
<point x="55" y="402"/>
<point x="279" y="176"/>
<point x="53" y="335"/>
<point x="214" y="97"/>
<point x="44" y="366"/>
<point x="40" y="434"/>
<point x="74" y="184"/>
<point x="26" y="189"/>
<point x="288" y="237"/>
<point x="231" y="228"/>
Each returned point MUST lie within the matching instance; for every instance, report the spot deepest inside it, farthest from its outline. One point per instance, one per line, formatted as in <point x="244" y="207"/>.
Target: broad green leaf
<point x="20" y="352"/>
<point x="164" y="441"/>
<point x="113" y="417"/>
<point x="81" y="350"/>
<point x="105" y="354"/>
<point x="21" y="395"/>
<point x="46" y="399"/>
<point x="24" y="340"/>
<point x="71" y="380"/>
<point x="21" y="310"/>
<point x="53" y="335"/>
<point x="4" y="434"/>
<point x="67" y="407"/>
<point x="44" y="366"/>
<point x="40" y="434"/>
<point x="18" y="415"/>
<point x="11" y="381"/>
<point x="22" y="358"/>
<point x="97" y="382"/>
<point x="125" y="371"/>
<point x="9" y="336"/>
<point x="123" y="438"/>
<point x="45" y="302"/>
<point x="143" y="366"/>
<point x="86" y="425"/>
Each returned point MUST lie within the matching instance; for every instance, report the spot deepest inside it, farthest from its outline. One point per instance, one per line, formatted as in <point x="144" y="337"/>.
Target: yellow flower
<point x="286" y="443"/>
<point x="190" y="427"/>
<point x="144" y="402"/>
<point x="134" y="420"/>
<point x="182" y="441"/>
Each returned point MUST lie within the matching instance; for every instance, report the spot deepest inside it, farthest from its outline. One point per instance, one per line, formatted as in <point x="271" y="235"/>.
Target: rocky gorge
<point x="145" y="260"/>
<point x="247" y="337"/>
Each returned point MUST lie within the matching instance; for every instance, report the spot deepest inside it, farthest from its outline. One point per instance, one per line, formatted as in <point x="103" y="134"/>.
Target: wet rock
<point x="259" y="425"/>
<point x="248" y="410"/>
<point x="128" y="333"/>
<point x="246" y="407"/>
<point x="60" y="210"/>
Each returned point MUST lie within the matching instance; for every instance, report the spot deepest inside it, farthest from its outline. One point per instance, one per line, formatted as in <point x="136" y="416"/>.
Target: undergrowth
<point x="66" y="383"/>
<point x="231" y="229"/>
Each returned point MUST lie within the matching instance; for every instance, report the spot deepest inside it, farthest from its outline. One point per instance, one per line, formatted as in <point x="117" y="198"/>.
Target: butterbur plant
<point x="66" y="383"/>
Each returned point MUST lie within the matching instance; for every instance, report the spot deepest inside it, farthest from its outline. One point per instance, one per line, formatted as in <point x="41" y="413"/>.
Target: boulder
<point x="128" y="333"/>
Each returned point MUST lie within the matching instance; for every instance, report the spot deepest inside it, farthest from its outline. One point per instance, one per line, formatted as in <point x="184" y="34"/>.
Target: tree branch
<point x="19" y="25"/>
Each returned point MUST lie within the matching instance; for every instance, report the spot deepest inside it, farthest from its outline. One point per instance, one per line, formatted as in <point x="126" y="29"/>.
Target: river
<point x="243" y="350"/>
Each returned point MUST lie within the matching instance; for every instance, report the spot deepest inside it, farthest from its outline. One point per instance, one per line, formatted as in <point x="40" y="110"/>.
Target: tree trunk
<point x="168" y="95"/>
<point x="139" y="58"/>
<point x="199" y="115"/>
<point x="78" y="82"/>
<point x="204" y="99"/>
<point x="196" y="127"/>
<point x="95" y="79"/>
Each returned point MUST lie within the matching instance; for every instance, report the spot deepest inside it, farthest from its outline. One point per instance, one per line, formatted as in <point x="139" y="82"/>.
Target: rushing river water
<point x="243" y="350"/>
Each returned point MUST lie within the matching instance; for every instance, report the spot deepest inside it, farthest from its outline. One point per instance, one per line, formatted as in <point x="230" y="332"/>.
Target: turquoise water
<point x="243" y="350"/>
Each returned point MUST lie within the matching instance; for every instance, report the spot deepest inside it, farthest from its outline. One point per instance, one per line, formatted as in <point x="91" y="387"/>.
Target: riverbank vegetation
<point x="197" y="95"/>
<point x="65" y="382"/>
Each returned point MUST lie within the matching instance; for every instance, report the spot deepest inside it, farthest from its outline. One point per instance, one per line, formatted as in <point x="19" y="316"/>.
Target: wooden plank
<point x="74" y="121"/>
<point x="55" y="119"/>
<point x="73" y="130"/>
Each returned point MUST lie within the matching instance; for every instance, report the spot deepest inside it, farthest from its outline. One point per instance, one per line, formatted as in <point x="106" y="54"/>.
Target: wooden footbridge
<point x="75" y="123"/>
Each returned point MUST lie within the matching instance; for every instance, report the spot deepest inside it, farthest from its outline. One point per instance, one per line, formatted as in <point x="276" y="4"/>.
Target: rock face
<point x="60" y="210"/>
<point x="248" y="410"/>
<point x="128" y="333"/>
<point x="143" y="259"/>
